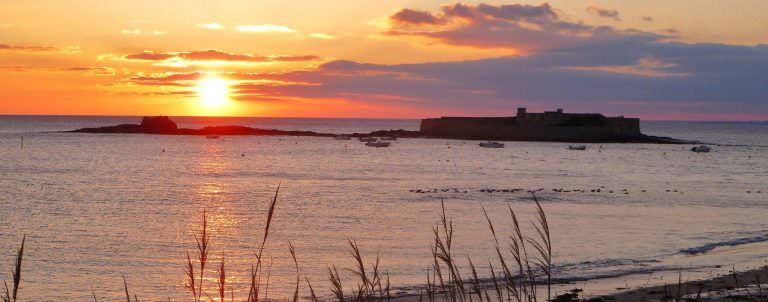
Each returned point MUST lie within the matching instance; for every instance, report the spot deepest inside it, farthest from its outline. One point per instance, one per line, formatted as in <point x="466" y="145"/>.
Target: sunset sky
<point x="691" y="60"/>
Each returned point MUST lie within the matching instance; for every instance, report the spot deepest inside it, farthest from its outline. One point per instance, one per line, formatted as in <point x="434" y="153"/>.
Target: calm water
<point x="96" y="207"/>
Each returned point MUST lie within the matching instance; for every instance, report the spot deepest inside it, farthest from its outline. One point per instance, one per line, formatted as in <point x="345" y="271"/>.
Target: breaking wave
<point x="711" y="246"/>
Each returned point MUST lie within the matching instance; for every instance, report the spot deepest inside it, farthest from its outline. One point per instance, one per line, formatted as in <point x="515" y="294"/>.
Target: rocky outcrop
<point x="158" y="124"/>
<point x="165" y="126"/>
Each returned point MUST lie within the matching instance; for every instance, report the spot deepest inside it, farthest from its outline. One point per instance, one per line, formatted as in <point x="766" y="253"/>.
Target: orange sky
<point x="286" y="58"/>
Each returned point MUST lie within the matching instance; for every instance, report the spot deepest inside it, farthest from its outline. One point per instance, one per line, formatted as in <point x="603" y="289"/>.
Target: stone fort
<point x="546" y="126"/>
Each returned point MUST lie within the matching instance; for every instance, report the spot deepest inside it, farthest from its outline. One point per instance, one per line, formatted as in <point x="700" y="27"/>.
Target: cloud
<point x="93" y="71"/>
<point x="322" y="36"/>
<point x="647" y="19"/>
<point x="213" y="25"/>
<point x="567" y="64"/>
<point x="409" y="16"/>
<point x="706" y="79"/>
<point x="38" y="48"/>
<point x="159" y="33"/>
<point x="604" y="12"/>
<point x="520" y="27"/>
<point x="656" y="78"/>
<point x="265" y="28"/>
<point x="214" y="55"/>
<point x="167" y="79"/>
<point x="473" y="14"/>
<point x="87" y="70"/>
<point x="130" y="31"/>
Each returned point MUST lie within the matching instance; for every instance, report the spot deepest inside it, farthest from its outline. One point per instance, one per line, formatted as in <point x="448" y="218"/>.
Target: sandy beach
<point x="742" y="286"/>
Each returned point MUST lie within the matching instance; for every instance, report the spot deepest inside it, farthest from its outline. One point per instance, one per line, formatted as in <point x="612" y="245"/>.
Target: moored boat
<point x="701" y="149"/>
<point x="577" y="147"/>
<point x="491" y="145"/>
<point x="378" y="144"/>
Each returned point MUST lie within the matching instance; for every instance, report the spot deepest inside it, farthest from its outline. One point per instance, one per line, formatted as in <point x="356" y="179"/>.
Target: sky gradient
<point x="706" y="60"/>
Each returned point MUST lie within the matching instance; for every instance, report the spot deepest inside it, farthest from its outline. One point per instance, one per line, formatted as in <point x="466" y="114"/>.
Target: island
<point x="554" y="126"/>
<point x="165" y="126"/>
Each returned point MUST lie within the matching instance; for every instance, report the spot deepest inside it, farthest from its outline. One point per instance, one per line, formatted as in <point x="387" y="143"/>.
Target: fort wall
<point x="547" y="126"/>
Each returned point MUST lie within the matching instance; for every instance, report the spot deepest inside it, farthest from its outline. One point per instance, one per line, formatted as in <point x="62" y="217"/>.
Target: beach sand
<point x="743" y="286"/>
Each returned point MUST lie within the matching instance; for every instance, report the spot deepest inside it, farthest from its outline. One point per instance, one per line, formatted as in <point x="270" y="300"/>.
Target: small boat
<point x="389" y="138"/>
<point x="367" y="139"/>
<point x="577" y="147"/>
<point x="491" y="145"/>
<point x="378" y="144"/>
<point x="212" y="136"/>
<point x="701" y="149"/>
<point x="342" y="137"/>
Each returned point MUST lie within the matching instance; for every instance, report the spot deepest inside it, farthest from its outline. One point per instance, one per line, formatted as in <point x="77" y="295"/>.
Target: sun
<point x="213" y="92"/>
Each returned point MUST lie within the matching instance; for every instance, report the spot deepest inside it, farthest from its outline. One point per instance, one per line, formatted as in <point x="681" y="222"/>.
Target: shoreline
<point x="747" y="285"/>
<point x="714" y="278"/>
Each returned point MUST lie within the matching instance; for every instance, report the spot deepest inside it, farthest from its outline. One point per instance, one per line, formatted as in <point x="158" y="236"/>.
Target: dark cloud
<point x="515" y="26"/>
<point x="517" y="12"/>
<point x="409" y="16"/>
<point x="476" y="13"/>
<point x="215" y="55"/>
<point x="653" y="77"/>
<point x="647" y="19"/>
<point x="604" y="12"/>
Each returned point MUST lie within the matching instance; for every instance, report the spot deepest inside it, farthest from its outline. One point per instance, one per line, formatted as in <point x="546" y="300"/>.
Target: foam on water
<point x="733" y="242"/>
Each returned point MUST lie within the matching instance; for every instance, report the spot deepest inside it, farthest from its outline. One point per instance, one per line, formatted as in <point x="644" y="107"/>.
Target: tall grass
<point x="11" y="295"/>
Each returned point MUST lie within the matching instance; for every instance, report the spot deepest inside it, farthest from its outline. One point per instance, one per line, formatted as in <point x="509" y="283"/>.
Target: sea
<point x="98" y="209"/>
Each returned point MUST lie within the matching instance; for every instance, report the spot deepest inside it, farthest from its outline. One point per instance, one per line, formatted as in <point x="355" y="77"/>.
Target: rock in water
<point x="158" y="124"/>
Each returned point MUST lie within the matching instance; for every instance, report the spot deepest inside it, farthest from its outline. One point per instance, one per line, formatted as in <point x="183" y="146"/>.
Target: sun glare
<point x="213" y="93"/>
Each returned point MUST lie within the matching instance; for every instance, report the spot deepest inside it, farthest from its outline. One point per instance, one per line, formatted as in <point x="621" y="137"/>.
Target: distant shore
<point x="162" y="125"/>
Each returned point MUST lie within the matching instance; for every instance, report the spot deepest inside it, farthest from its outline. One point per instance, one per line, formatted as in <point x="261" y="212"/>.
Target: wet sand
<point x="743" y="286"/>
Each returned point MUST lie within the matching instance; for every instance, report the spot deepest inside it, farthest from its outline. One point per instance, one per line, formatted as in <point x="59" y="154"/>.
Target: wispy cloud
<point x="603" y="12"/>
<point x="645" y="67"/>
<point x="265" y="28"/>
<point x="38" y="48"/>
<point x="213" y="25"/>
<point x="159" y="33"/>
<point x="322" y="36"/>
<point x="210" y="55"/>
<point x="86" y="70"/>
<point x="130" y="31"/>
